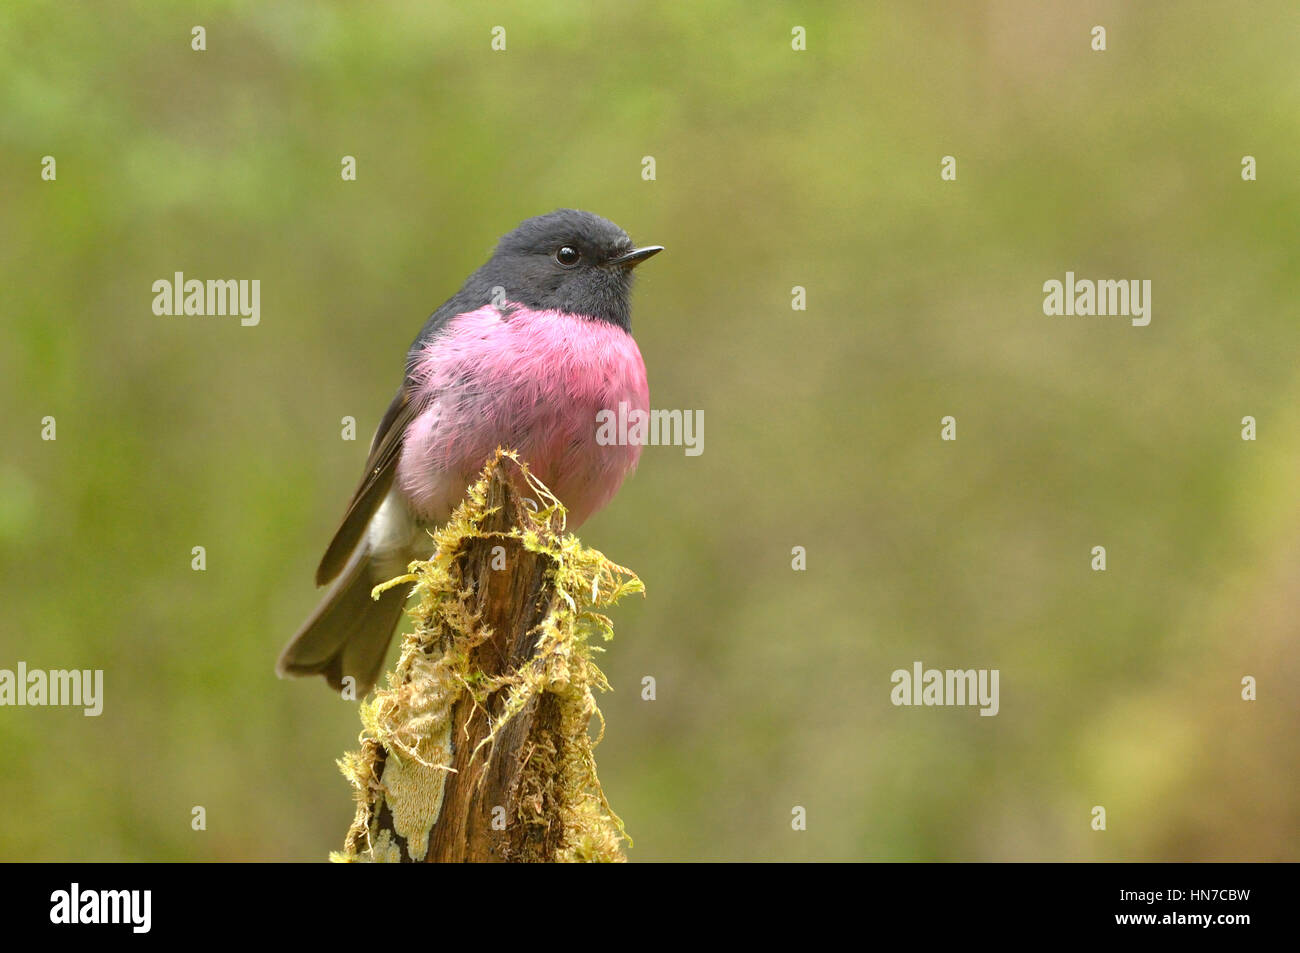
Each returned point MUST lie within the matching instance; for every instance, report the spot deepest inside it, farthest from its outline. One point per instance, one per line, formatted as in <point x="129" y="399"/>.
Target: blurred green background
<point x="775" y="168"/>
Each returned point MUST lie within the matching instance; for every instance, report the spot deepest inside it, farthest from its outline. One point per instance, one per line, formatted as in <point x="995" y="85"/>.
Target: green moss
<point x="406" y="753"/>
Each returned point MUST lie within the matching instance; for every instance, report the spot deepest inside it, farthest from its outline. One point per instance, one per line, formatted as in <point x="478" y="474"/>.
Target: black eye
<point x="568" y="255"/>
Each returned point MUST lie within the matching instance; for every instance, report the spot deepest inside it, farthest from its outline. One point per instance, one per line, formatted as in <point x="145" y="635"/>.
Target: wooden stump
<point x="480" y="751"/>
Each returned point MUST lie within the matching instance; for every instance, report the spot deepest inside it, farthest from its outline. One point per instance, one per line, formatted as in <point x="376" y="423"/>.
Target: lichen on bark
<point x="479" y="748"/>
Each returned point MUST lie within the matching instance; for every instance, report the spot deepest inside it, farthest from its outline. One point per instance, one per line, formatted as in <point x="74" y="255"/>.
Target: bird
<point x="536" y="343"/>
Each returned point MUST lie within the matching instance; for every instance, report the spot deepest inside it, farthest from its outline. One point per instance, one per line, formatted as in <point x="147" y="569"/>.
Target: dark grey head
<point x="568" y="261"/>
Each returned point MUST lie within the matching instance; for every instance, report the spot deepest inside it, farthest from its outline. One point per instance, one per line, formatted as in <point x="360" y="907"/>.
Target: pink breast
<point x="532" y="381"/>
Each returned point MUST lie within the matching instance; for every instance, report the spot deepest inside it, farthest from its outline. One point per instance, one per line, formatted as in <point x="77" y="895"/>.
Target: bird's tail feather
<point x="349" y="632"/>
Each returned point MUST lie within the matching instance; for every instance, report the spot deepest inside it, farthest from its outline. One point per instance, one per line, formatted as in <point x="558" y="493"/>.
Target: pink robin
<point x="525" y="355"/>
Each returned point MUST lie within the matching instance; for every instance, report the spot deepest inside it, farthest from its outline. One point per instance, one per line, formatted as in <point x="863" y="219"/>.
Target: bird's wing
<point x="385" y="449"/>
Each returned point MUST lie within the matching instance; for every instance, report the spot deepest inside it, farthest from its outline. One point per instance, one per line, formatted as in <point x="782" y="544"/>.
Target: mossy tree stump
<point x="479" y="750"/>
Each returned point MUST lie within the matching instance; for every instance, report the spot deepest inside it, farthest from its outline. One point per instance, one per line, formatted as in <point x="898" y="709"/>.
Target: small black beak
<point x="635" y="256"/>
